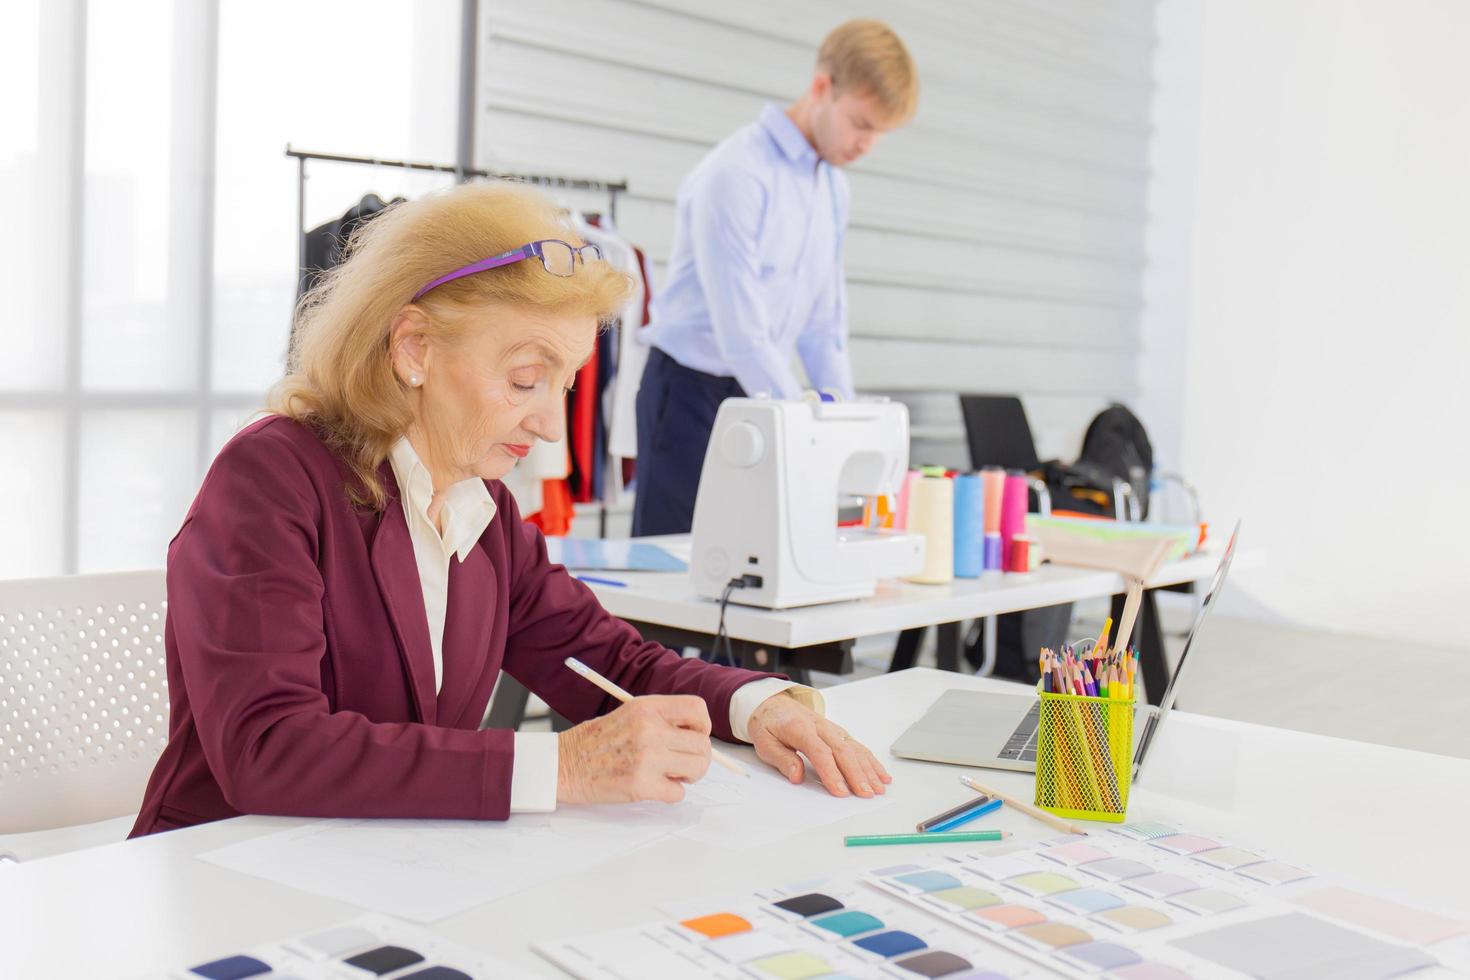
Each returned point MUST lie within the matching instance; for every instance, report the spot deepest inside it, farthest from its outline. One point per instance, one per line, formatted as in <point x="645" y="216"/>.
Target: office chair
<point x="998" y="432"/>
<point x="83" y="705"/>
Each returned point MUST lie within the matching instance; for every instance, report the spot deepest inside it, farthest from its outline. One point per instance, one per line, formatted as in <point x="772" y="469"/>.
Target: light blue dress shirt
<point x="756" y="267"/>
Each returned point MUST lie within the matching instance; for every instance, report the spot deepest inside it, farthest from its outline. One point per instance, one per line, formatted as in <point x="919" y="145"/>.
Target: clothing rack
<point x="612" y="188"/>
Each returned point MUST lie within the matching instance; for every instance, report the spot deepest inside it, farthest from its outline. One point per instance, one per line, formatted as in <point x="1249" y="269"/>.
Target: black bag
<point x="1117" y="446"/>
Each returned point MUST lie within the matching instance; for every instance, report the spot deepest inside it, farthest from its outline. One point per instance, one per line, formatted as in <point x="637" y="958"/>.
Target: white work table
<point x="668" y="599"/>
<point x="664" y="607"/>
<point x="1386" y="818"/>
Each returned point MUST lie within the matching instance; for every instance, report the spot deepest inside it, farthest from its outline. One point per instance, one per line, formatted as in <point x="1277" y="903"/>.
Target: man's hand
<point x="646" y="749"/>
<point x="781" y="727"/>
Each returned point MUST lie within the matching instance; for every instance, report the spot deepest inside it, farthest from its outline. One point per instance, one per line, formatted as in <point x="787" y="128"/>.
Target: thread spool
<point x="883" y="511"/>
<point x="901" y="509"/>
<point x="1012" y="513"/>
<point x="1020" y="554"/>
<point x="994" y="479"/>
<point x="969" y="526"/>
<point x="993" y="552"/>
<point x="931" y="513"/>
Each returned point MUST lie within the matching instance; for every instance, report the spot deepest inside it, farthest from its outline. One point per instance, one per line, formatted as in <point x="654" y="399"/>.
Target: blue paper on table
<point x="597" y="554"/>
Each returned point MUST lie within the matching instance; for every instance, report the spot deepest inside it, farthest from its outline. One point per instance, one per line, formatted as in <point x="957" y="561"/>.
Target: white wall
<point x="1327" y="327"/>
<point x="1172" y="160"/>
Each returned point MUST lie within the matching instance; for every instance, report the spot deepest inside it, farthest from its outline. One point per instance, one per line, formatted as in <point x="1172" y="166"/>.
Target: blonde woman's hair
<point x="340" y="378"/>
<point x="866" y="57"/>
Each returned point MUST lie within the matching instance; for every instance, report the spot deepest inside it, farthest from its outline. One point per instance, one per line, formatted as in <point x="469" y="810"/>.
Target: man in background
<point x="756" y="273"/>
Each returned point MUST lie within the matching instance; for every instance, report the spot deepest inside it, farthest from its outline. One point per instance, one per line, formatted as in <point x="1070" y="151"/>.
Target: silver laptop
<point x="998" y="731"/>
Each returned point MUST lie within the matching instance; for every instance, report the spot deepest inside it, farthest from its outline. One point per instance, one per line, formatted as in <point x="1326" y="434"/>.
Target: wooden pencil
<point x="580" y="668"/>
<point x="1049" y="819"/>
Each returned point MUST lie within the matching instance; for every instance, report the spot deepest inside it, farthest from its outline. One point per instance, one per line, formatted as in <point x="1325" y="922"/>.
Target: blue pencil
<point x="594" y="580"/>
<point x="966" y="817"/>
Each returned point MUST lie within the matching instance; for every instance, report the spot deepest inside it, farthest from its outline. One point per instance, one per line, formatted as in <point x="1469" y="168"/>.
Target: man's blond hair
<point x="867" y="58"/>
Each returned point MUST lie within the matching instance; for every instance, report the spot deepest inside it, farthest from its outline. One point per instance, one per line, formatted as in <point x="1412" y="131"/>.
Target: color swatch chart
<point x="1148" y="901"/>
<point x="833" y="929"/>
<point x="373" y="947"/>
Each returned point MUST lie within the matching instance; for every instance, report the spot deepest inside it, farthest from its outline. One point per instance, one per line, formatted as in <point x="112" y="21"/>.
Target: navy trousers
<point x="676" y="412"/>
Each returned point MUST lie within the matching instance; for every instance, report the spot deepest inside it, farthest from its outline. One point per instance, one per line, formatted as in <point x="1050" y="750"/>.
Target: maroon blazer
<point x="301" y="680"/>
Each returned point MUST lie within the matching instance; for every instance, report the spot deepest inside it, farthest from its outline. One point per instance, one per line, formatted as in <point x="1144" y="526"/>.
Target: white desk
<point x="664" y="607"/>
<point x="668" y="599"/>
<point x="145" y="905"/>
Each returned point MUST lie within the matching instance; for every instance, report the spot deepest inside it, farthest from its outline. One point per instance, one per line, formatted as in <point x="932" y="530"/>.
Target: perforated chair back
<point x="83" y="697"/>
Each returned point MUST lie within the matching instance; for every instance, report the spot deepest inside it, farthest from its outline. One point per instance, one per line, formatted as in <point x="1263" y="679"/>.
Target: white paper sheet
<point x="426" y="870"/>
<point x="765" y="808"/>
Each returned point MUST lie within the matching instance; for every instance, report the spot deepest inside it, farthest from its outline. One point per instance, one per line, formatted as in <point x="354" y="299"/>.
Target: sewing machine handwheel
<point x="742" y="444"/>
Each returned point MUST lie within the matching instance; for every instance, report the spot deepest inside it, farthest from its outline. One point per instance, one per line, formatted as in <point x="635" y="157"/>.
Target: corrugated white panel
<point x="996" y="242"/>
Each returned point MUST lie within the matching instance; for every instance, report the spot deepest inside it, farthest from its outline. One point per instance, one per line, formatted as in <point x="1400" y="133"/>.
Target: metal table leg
<point x="1153" y="661"/>
<point x="906" y="650"/>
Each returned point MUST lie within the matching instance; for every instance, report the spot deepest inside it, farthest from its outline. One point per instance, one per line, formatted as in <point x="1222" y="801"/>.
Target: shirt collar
<point x="786" y="134"/>
<point x="468" y="507"/>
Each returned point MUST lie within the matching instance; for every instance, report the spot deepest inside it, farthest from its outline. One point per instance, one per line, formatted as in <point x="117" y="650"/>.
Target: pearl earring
<point x="413" y="380"/>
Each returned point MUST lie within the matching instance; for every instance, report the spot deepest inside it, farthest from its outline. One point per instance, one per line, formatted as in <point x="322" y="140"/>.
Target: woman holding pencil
<point x="352" y="577"/>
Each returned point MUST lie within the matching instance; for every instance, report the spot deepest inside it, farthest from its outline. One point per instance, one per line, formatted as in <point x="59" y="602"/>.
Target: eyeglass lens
<point x="560" y="258"/>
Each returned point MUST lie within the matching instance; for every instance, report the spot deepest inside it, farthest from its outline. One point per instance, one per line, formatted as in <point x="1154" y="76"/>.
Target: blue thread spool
<point x="969" y="526"/>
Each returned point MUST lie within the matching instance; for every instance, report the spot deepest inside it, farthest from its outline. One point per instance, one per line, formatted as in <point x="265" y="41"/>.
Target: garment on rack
<point x="594" y="406"/>
<point x="581" y="429"/>
<point x="607" y="367"/>
<point x="556" y="513"/>
<point x="622" y="436"/>
<point x="325" y="244"/>
<point x="534" y="481"/>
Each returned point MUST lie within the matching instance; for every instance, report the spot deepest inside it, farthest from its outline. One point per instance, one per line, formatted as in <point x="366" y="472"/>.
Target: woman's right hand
<point x="646" y="749"/>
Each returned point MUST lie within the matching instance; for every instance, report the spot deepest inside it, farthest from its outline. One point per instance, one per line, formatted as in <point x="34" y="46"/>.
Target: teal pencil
<point x="940" y="837"/>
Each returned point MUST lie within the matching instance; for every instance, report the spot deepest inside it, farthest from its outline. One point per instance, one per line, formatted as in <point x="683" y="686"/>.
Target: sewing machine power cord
<point x="721" y="636"/>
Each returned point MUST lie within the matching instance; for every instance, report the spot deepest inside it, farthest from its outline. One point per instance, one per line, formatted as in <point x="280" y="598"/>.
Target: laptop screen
<point x="1155" y="717"/>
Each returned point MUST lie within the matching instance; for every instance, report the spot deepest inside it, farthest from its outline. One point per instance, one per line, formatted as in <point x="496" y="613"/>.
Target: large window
<point x="149" y="257"/>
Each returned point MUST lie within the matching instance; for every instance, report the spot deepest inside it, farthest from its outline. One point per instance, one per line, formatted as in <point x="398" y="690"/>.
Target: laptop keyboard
<point x="1021" y="746"/>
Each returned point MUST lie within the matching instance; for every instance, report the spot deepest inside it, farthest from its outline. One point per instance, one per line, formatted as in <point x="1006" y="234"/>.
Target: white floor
<point x="1407" y="696"/>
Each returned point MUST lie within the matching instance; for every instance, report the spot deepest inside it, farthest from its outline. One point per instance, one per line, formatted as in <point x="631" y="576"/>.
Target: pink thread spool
<point x="901" y="514"/>
<point x="1012" y="513"/>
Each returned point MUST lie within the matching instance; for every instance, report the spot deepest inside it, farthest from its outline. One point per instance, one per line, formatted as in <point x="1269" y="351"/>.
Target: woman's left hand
<point x="781" y="727"/>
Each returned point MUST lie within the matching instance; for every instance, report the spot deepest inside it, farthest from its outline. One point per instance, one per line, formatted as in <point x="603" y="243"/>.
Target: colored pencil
<point x="946" y="837"/>
<point x="1050" y="820"/>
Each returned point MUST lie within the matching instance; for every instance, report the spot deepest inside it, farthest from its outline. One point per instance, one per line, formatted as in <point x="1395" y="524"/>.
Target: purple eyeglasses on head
<point x="557" y="257"/>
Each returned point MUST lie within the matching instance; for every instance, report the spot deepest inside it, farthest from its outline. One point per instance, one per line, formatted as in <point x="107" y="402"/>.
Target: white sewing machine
<point x="767" y="504"/>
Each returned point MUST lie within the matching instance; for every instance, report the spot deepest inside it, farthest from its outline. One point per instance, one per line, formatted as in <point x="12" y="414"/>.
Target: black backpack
<point x="1116" y="446"/>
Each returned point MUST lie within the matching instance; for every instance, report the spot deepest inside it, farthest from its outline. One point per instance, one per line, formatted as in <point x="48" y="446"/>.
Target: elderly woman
<point x="352" y="577"/>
